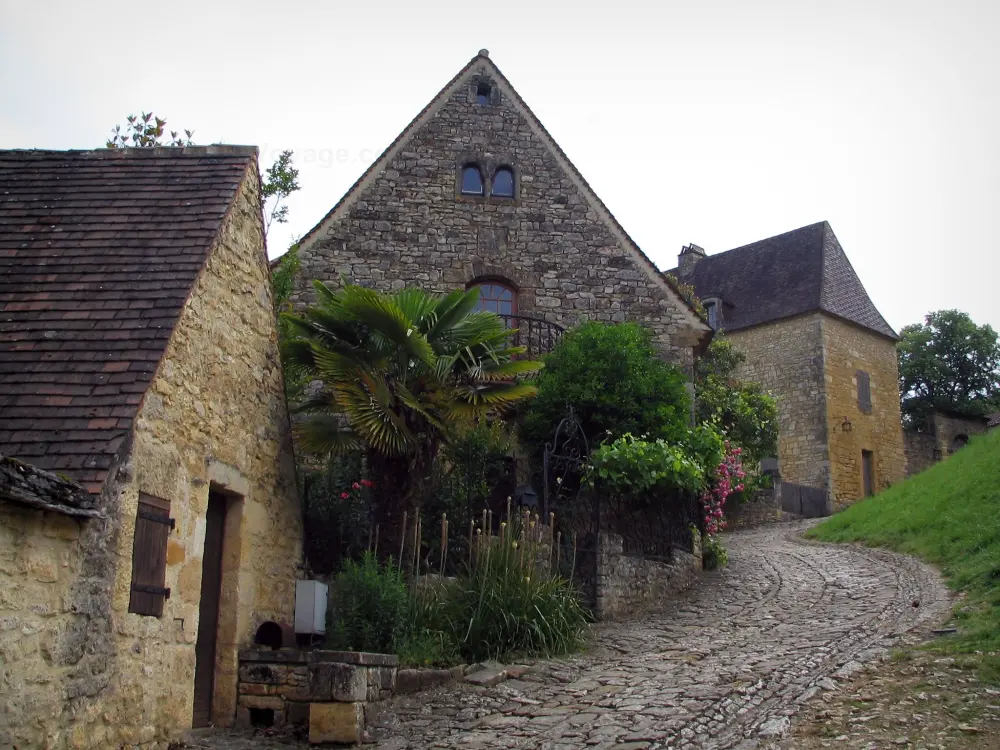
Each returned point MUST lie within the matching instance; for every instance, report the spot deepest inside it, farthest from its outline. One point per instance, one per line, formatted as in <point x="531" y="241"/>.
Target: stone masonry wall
<point x="410" y="226"/>
<point x="627" y="584"/>
<point x="922" y="449"/>
<point x="786" y="358"/>
<point x="284" y="683"/>
<point x="214" y="415"/>
<point x="849" y="348"/>
<point x="39" y="563"/>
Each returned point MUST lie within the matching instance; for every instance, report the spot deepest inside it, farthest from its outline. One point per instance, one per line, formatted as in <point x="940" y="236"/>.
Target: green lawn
<point x="948" y="516"/>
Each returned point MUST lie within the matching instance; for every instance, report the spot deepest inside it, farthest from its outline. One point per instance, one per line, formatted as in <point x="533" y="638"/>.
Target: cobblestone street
<point x="723" y="667"/>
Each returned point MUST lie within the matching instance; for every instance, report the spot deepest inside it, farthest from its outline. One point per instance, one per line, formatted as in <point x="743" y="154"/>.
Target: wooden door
<point x="868" y="472"/>
<point x="208" y="610"/>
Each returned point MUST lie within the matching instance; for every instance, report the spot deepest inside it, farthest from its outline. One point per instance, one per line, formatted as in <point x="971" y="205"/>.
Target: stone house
<point x="795" y="307"/>
<point x="149" y="517"/>
<point x="475" y="192"/>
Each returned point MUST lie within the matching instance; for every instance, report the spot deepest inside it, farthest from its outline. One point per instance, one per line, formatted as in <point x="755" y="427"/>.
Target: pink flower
<point x="355" y="486"/>
<point x="344" y="496"/>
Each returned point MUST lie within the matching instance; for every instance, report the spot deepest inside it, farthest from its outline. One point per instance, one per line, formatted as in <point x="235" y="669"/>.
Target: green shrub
<point x="369" y="607"/>
<point x="713" y="553"/>
<point x="743" y="412"/>
<point x="614" y="379"/>
<point x="631" y="467"/>
<point x="509" y="604"/>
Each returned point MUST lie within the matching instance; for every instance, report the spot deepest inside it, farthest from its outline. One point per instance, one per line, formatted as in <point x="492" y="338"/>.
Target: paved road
<point x="722" y="667"/>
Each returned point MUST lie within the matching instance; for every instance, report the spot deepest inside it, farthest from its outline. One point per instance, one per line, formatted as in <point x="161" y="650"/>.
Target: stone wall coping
<point x="309" y="656"/>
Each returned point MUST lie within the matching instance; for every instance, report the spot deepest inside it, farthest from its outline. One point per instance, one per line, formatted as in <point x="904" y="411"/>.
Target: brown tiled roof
<point x="98" y="253"/>
<point x="793" y="273"/>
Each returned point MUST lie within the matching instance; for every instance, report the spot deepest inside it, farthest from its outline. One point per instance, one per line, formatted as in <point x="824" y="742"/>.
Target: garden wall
<point x="630" y="584"/>
<point x="762" y="508"/>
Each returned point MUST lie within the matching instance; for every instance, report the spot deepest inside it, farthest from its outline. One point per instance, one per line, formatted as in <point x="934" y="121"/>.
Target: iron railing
<point x="539" y="336"/>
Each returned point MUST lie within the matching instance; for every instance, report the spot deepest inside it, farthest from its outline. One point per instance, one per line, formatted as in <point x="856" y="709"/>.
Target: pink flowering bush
<point x="729" y="476"/>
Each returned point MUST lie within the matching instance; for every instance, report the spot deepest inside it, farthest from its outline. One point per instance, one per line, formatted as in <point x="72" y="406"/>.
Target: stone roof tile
<point x="801" y="271"/>
<point x="98" y="253"/>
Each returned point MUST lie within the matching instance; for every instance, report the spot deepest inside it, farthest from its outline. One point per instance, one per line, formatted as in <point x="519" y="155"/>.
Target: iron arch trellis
<point x="576" y="509"/>
<point x="563" y="461"/>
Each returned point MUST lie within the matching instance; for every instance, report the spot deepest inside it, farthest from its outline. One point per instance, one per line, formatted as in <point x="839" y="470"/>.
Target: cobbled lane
<point x="724" y="666"/>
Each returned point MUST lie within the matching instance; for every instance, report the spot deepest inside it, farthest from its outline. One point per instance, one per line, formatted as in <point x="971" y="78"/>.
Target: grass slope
<point x="949" y="516"/>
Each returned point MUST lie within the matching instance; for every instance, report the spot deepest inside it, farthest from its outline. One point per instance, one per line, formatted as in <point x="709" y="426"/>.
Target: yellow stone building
<point x="794" y="306"/>
<point x="149" y="518"/>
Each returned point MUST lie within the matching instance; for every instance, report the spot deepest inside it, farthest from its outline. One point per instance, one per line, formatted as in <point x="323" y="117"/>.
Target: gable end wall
<point x="408" y="226"/>
<point x="847" y="349"/>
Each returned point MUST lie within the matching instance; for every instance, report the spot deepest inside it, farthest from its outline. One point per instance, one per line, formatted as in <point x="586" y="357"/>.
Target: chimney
<point x="688" y="259"/>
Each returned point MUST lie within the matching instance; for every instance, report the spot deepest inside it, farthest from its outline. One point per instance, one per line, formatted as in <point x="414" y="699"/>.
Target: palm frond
<point x="324" y="434"/>
<point x="382" y="314"/>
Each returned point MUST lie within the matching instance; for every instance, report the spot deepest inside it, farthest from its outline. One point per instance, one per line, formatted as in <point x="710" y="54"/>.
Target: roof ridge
<point x="214" y="149"/>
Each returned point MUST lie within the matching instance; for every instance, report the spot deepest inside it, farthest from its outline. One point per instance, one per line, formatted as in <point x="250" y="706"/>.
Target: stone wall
<point x="945" y="434"/>
<point x="921" y="450"/>
<point x="628" y="584"/>
<point x="79" y="670"/>
<point x="40" y="562"/>
<point x="760" y="509"/>
<point x="406" y="224"/>
<point x="278" y="686"/>
<point x="786" y="358"/>
<point x="847" y="349"/>
<point x="214" y="416"/>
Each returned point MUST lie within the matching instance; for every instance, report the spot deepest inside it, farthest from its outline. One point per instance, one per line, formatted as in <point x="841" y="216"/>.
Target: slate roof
<point x="993" y="420"/>
<point x="801" y="271"/>
<point x="98" y="253"/>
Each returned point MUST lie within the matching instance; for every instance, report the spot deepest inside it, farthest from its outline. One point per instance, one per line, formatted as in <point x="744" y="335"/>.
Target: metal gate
<point x="575" y="510"/>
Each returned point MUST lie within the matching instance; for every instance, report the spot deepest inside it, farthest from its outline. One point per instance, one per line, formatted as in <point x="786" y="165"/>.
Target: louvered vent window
<point x="153" y="525"/>
<point x="864" y="392"/>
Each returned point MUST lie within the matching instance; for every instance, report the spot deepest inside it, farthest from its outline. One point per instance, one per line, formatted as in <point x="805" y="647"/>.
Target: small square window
<point x="484" y="94"/>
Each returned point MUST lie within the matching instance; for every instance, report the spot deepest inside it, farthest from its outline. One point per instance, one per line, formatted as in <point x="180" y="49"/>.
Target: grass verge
<point x="949" y="516"/>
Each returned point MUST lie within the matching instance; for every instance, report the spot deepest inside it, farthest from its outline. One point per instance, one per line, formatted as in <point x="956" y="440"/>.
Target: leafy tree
<point x="281" y="180"/>
<point x="948" y="363"/>
<point x="146" y="131"/>
<point x="743" y="412"/>
<point x="395" y="375"/>
<point x="615" y="381"/>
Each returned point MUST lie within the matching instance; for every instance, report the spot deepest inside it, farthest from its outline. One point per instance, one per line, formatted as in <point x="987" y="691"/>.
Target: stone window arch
<point x="472" y="179"/>
<point x="496" y="295"/>
<point x="958" y="442"/>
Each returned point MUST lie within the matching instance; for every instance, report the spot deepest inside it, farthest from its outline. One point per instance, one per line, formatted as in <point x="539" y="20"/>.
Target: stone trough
<point x="328" y="690"/>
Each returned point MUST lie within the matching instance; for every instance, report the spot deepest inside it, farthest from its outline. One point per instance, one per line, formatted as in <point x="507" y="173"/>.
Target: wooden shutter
<point x="864" y="391"/>
<point x="149" y="556"/>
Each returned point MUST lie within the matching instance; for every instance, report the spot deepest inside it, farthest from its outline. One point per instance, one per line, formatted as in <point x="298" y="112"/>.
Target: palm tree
<point x="396" y="375"/>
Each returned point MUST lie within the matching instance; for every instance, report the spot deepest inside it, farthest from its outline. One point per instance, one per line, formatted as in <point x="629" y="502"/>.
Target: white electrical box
<point x="310" y="607"/>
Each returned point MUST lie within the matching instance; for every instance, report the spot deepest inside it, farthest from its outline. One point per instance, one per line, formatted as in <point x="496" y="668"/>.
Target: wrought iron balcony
<point x="539" y="336"/>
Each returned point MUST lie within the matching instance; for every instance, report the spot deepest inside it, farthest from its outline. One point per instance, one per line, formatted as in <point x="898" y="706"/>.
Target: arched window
<point x="503" y="183"/>
<point x="498" y="297"/>
<point x="472" y="180"/>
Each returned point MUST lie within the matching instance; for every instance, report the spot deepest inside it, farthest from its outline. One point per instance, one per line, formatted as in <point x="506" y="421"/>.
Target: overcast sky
<point x="718" y="122"/>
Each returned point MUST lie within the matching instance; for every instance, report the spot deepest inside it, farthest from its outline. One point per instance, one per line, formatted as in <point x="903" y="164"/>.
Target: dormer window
<point x="484" y="93"/>
<point x="712" y="310"/>
<point x="503" y="183"/>
<point x="472" y="180"/>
